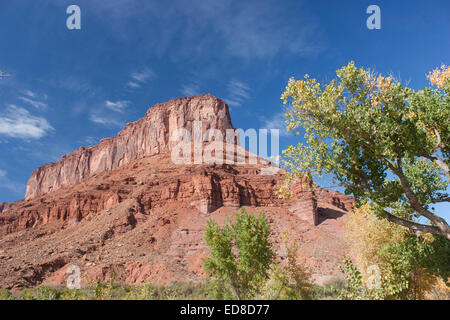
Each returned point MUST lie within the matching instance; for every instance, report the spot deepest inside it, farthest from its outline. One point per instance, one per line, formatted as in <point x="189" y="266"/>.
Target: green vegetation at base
<point x="112" y="291"/>
<point x="102" y="291"/>
<point x="242" y="264"/>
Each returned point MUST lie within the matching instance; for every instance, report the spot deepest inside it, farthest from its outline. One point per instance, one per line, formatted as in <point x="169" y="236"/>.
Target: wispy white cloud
<point x="238" y="92"/>
<point x="103" y="115"/>
<point x="118" y="106"/>
<point x="71" y="83"/>
<point x="277" y="121"/>
<point x="245" y="29"/>
<point x="32" y="94"/>
<point x="183" y="29"/>
<point x="18" y="123"/>
<point x="258" y="30"/>
<point x="133" y="84"/>
<point x="141" y="77"/>
<point x="34" y="99"/>
<point x="105" y="120"/>
<point x="6" y="183"/>
<point x="191" y="89"/>
<point x="91" y="140"/>
<point x="29" y="93"/>
<point x="36" y="104"/>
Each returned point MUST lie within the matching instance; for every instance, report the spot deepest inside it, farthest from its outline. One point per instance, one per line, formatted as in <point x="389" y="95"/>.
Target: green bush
<point x="241" y="256"/>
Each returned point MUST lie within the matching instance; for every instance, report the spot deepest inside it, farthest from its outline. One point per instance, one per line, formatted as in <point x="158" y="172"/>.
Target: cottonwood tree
<point x="241" y="256"/>
<point x="387" y="144"/>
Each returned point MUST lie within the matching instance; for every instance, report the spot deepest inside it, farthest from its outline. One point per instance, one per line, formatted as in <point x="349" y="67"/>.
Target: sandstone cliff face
<point x="146" y="137"/>
<point x="144" y="221"/>
<point x="155" y="182"/>
<point x="124" y="206"/>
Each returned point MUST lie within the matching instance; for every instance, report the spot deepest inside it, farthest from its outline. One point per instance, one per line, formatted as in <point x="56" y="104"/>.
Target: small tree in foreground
<point x="241" y="256"/>
<point x="387" y="144"/>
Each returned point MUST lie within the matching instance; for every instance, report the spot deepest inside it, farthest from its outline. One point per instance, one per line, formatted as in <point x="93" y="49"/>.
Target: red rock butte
<point x="147" y="137"/>
<point x="124" y="206"/>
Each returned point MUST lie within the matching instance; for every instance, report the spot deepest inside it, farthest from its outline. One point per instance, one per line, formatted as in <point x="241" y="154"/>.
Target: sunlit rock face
<point x="125" y="206"/>
<point x="145" y="137"/>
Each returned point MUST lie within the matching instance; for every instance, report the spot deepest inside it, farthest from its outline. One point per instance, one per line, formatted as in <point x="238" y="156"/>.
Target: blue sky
<point x="73" y="87"/>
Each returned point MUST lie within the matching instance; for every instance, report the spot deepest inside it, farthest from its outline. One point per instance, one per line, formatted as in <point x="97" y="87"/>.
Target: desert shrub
<point x="289" y="281"/>
<point x="106" y="290"/>
<point x="144" y="292"/>
<point x="329" y="290"/>
<point x="111" y="290"/>
<point x="5" y="294"/>
<point x="173" y="291"/>
<point x="74" y="294"/>
<point x="40" y="293"/>
<point x="183" y="290"/>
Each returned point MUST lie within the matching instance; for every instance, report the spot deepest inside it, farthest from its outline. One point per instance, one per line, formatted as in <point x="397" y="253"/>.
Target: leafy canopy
<point x="384" y="142"/>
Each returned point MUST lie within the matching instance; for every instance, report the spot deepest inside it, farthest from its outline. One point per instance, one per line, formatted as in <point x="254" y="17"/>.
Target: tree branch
<point x="439" y="200"/>
<point x="414" y="201"/>
<point x="414" y="226"/>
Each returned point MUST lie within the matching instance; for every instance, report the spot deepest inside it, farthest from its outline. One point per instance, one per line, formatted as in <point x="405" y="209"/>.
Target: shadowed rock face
<point x="146" y="137"/>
